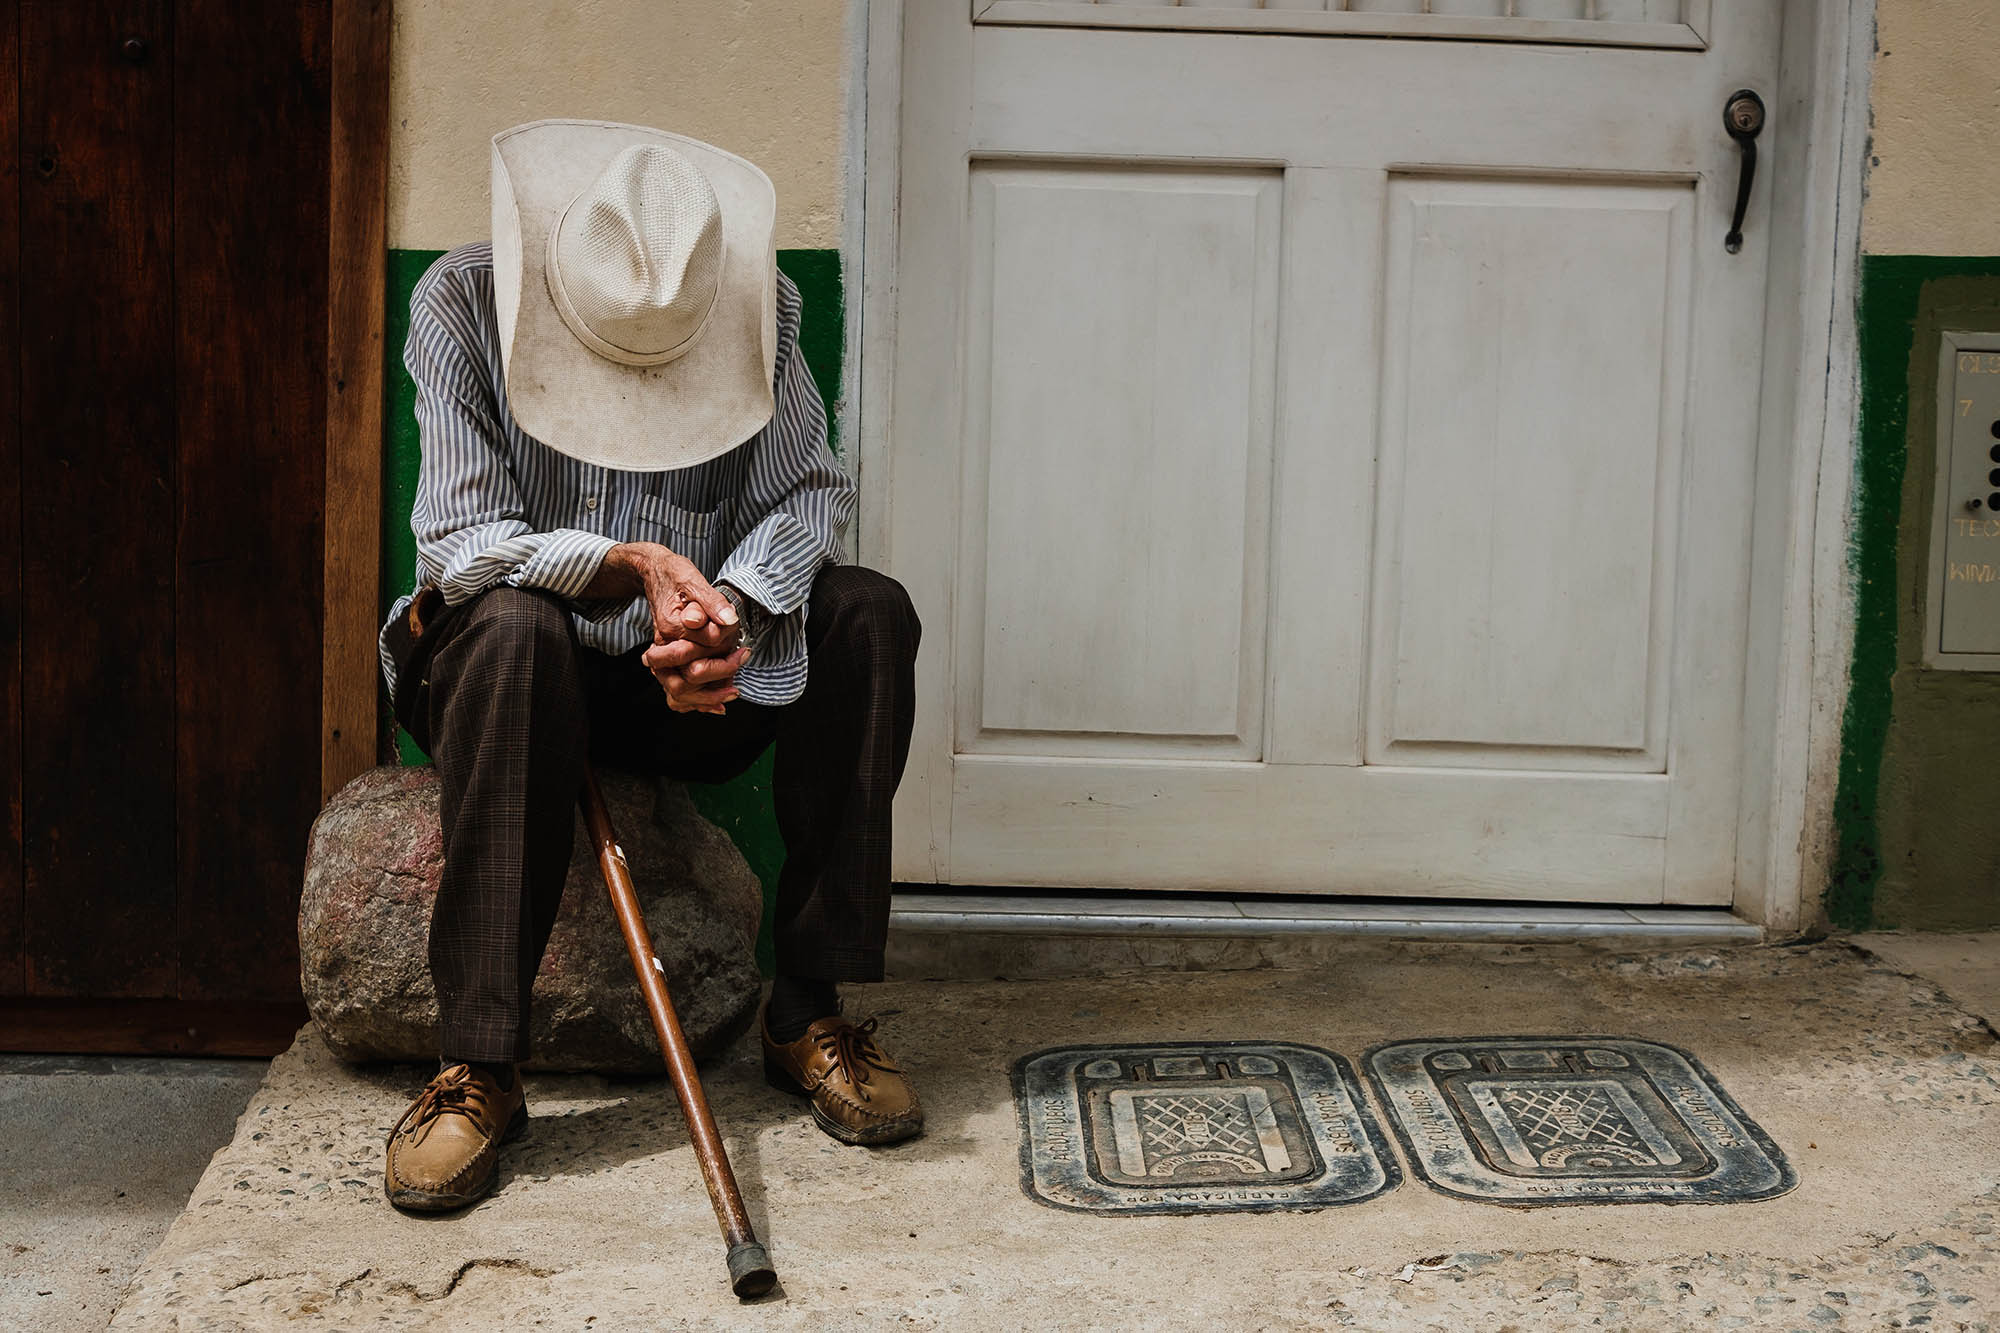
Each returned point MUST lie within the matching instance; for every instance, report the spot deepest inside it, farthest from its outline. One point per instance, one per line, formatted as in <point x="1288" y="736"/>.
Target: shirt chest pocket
<point x="695" y="534"/>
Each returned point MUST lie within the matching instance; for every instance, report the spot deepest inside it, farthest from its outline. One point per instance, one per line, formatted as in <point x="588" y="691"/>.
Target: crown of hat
<point x="635" y="261"/>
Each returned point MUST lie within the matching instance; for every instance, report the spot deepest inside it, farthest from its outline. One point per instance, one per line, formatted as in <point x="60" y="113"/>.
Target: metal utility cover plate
<point x="1546" y="1120"/>
<point x="1197" y="1127"/>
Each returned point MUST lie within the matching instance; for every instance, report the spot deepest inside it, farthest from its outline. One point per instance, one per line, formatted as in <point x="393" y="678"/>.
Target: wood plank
<point x="97" y="519"/>
<point x="917" y="536"/>
<point x="13" y="963"/>
<point x="1324" y="508"/>
<point x="357" y="258"/>
<point x="1329" y="23"/>
<point x="251" y="125"/>
<point x="1270" y="828"/>
<point x="147" y="1027"/>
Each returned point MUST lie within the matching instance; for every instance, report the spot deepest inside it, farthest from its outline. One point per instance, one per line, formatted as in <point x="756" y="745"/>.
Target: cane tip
<point x="750" y="1271"/>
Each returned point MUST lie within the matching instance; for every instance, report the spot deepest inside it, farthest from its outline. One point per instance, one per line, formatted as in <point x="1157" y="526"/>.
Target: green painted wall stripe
<point x="741" y="807"/>
<point x="401" y="450"/>
<point x="1891" y="290"/>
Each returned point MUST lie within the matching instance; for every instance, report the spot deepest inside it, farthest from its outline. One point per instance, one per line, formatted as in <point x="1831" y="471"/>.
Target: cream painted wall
<point x="1933" y="183"/>
<point x="763" y="78"/>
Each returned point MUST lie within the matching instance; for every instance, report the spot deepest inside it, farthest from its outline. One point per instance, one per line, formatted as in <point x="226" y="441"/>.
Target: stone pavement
<point x="1880" y="1088"/>
<point x="89" y="1184"/>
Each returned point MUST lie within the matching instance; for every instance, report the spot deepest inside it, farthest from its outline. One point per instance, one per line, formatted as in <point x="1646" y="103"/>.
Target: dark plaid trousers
<point x="509" y="706"/>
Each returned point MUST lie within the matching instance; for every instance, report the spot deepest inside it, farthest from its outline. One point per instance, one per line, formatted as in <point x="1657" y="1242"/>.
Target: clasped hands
<point x="697" y="649"/>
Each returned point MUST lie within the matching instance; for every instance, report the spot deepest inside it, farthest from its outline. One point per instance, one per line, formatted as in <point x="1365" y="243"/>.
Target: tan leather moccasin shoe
<point x="444" y="1152"/>
<point x="857" y="1095"/>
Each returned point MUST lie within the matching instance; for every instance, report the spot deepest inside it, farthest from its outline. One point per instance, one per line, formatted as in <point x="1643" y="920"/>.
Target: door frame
<point x="1801" y="605"/>
<point x="357" y="300"/>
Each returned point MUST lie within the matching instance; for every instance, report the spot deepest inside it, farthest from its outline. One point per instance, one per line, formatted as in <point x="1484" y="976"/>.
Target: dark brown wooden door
<point x="163" y="251"/>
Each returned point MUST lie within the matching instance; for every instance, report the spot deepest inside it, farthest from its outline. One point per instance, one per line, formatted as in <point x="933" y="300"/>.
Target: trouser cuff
<point x="823" y="964"/>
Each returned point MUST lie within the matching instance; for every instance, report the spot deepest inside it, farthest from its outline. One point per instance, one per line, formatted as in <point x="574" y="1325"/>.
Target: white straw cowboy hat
<point x="636" y="288"/>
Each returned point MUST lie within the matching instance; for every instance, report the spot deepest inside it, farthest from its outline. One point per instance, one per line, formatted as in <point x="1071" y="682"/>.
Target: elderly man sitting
<point x="628" y="522"/>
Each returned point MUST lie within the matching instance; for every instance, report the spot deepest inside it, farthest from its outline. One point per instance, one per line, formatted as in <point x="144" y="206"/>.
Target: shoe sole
<point x="776" y="1075"/>
<point x="432" y="1201"/>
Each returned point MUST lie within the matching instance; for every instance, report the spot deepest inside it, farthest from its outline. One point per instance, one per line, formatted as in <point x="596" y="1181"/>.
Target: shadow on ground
<point x="97" y="1158"/>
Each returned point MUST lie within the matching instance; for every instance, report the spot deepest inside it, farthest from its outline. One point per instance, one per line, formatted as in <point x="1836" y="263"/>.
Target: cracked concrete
<point x="1966" y="967"/>
<point x="1880" y="1088"/>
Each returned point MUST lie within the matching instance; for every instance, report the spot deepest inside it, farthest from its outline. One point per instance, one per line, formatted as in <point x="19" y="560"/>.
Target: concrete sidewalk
<point x="89" y="1183"/>
<point x="1880" y="1088"/>
<point x="1965" y="967"/>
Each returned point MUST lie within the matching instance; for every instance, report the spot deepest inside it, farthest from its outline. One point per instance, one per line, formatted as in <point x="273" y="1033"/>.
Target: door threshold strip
<point x="1189" y="917"/>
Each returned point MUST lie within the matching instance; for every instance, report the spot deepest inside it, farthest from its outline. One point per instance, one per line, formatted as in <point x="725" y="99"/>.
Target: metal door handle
<point x="1743" y="117"/>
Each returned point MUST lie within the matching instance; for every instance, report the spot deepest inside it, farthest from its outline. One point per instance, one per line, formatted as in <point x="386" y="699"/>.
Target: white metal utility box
<point x="1962" y="621"/>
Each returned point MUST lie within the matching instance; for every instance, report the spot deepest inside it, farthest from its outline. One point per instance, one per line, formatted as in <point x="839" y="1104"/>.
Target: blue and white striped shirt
<point x="495" y="506"/>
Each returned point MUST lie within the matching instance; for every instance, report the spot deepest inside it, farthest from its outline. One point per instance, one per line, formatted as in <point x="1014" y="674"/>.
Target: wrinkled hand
<point x="685" y="605"/>
<point x="695" y="654"/>
<point x="697" y="678"/>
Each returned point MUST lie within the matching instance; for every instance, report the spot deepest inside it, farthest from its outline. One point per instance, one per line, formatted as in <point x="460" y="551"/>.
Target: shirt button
<point x="590" y="502"/>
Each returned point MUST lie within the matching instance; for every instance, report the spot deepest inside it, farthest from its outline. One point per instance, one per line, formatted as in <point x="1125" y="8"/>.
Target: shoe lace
<point x="453" y="1092"/>
<point x="852" y="1048"/>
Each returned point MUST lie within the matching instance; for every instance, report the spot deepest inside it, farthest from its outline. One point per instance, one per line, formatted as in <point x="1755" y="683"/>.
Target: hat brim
<point x="631" y="418"/>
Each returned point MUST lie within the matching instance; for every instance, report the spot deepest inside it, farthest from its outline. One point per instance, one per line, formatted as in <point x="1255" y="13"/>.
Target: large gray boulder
<point x="364" y="920"/>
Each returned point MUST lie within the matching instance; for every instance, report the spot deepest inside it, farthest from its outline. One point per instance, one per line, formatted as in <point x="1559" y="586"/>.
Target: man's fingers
<point x="712" y="636"/>
<point x="673" y="628"/>
<point x="717" y="709"/>
<point x="679" y="654"/>
<point x="712" y="639"/>
<point x="719" y="608"/>
<point x="675" y="654"/>
<point x="693" y="692"/>
<point x="707" y="603"/>
<point x="687" y="707"/>
<point x="683" y="689"/>
<point x="684" y="697"/>
<point x="668" y="624"/>
<point x="712" y="670"/>
<point x="690" y="697"/>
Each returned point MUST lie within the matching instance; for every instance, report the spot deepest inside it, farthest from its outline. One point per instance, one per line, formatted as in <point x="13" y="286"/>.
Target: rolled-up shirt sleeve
<point x="468" y="516"/>
<point x="796" y="501"/>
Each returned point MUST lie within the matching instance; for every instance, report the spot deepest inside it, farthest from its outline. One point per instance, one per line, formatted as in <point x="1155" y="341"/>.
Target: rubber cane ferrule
<point x="750" y="1271"/>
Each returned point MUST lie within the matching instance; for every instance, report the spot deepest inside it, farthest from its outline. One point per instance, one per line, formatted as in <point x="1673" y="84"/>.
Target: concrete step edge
<point x="1156" y="917"/>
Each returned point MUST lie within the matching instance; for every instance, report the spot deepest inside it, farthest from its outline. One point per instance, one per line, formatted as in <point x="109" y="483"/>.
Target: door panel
<point x="252" y="467"/>
<point x="1122" y="353"/>
<point x="98" y="475"/>
<point x="1271" y="828"/>
<point x="12" y="955"/>
<point x="1476" y="471"/>
<point x="162" y="414"/>
<point x="1667" y="23"/>
<point x="1535" y="362"/>
<point x="1229" y="98"/>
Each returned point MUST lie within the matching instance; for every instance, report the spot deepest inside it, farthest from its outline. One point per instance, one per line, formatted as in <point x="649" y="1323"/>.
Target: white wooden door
<point x="1322" y="444"/>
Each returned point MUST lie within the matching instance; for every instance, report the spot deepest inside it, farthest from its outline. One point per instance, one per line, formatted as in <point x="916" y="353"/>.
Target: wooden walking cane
<point x="750" y="1271"/>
